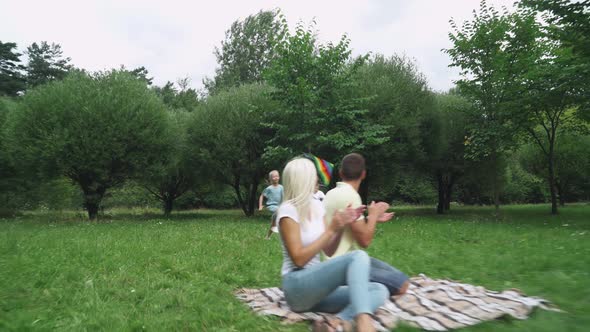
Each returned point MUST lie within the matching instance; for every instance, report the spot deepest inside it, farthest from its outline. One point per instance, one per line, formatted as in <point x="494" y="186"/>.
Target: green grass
<point x="136" y="270"/>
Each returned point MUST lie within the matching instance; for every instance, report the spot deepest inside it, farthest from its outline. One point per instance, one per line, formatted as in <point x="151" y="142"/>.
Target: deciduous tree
<point x="98" y="130"/>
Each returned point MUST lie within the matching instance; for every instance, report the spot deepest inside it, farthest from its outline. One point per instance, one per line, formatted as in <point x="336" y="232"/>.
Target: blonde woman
<point x="340" y="285"/>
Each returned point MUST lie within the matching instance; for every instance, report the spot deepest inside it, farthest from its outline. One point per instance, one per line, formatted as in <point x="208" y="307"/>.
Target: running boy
<point x="274" y="197"/>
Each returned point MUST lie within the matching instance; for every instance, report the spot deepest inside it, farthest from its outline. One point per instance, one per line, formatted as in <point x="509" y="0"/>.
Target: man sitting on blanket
<point x="361" y="232"/>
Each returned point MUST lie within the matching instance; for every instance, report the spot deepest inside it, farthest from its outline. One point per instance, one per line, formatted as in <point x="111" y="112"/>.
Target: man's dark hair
<point x="352" y="167"/>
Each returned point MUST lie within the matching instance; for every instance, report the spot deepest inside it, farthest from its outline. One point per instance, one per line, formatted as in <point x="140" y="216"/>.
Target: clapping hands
<point x="379" y="209"/>
<point x="343" y="218"/>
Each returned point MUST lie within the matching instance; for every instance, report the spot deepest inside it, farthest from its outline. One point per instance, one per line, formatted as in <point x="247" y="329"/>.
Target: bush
<point x="522" y="186"/>
<point x="219" y="198"/>
<point x="416" y="190"/>
<point x="187" y="201"/>
<point x="412" y="188"/>
<point x="130" y="195"/>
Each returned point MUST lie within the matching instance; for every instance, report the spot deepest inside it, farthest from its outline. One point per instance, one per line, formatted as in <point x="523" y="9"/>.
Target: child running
<point x="274" y="197"/>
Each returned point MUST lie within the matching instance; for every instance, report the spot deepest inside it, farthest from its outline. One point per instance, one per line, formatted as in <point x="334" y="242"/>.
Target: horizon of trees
<point x="515" y="129"/>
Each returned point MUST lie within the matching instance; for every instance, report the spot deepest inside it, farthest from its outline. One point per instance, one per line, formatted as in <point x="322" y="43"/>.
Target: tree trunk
<point x="445" y="186"/>
<point x="552" y="180"/>
<point x="92" y="199"/>
<point x="92" y="209"/>
<point x="240" y="199"/>
<point x="168" y="204"/>
<point x="495" y="185"/>
<point x="560" y="193"/>
<point x="497" y="200"/>
<point x="448" y="191"/>
<point x="440" y="207"/>
<point x="236" y="187"/>
<point x="252" y="199"/>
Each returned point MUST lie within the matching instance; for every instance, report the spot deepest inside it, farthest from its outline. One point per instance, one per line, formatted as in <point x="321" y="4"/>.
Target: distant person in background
<point x="274" y="196"/>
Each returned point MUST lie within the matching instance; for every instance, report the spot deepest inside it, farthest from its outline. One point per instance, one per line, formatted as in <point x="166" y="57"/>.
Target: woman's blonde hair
<point x="299" y="180"/>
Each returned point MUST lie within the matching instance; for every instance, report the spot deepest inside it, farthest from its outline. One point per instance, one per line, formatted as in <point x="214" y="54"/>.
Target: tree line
<point x="514" y="129"/>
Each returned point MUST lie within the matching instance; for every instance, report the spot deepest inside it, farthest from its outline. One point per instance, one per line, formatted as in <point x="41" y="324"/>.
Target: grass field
<point x="136" y="270"/>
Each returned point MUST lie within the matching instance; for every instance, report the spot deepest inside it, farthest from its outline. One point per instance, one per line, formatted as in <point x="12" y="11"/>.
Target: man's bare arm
<point x="364" y="230"/>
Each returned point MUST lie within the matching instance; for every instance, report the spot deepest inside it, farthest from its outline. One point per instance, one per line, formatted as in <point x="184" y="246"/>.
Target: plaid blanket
<point x="433" y="305"/>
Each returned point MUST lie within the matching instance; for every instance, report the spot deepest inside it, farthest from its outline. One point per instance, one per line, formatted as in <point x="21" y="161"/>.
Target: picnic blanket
<point x="433" y="305"/>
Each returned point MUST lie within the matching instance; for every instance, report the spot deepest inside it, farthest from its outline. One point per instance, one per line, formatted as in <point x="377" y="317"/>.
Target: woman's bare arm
<point x="291" y="234"/>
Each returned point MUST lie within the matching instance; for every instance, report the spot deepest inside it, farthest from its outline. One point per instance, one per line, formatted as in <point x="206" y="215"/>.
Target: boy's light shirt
<point x="273" y="194"/>
<point x="337" y="199"/>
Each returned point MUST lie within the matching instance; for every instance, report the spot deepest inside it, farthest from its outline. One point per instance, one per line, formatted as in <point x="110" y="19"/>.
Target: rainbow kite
<point x="323" y="167"/>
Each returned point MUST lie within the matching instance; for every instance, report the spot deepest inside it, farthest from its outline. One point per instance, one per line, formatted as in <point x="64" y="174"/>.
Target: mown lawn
<point x="136" y="270"/>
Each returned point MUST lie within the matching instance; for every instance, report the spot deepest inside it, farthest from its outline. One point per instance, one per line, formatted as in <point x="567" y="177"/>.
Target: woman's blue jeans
<point x="340" y="285"/>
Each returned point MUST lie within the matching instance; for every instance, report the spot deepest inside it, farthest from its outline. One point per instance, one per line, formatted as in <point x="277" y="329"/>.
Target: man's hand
<point x="385" y="217"/>
<point x="379" y="209"/>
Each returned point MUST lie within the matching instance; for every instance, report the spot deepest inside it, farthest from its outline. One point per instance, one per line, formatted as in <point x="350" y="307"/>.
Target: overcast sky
<point x="175" y="39"/>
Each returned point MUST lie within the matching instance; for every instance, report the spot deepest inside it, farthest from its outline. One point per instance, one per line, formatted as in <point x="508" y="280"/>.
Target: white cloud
<point x="175" y="38"/>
